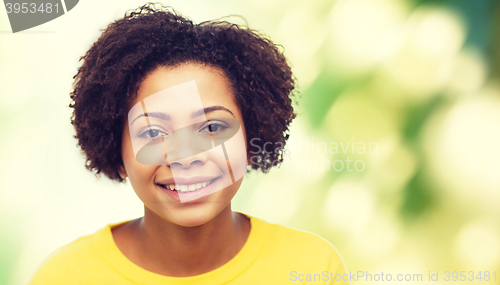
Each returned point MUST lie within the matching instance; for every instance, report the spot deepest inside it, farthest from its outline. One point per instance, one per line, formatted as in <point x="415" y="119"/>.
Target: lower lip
<point x="191" y="195"/>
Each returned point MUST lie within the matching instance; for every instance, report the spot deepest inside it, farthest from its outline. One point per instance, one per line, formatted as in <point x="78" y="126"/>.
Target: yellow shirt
<point x="272" y="254"/>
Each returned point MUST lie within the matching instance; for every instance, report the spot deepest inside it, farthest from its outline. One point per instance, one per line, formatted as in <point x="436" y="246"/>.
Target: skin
<point x="173" y="238"/>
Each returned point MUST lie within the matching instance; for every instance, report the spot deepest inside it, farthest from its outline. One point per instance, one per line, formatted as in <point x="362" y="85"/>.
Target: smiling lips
<point x="186" y="185"/>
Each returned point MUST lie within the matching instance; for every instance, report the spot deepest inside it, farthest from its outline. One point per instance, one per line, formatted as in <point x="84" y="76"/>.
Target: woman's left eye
<point x="213" y="128"/>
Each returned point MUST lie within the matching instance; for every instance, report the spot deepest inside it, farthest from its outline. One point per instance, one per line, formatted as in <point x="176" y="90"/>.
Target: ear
<point x="122" y="172"/>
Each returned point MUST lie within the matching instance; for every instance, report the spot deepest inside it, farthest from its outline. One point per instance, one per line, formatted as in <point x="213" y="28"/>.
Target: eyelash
<point x="146" y="134"/>
<point x="215" y="123"/>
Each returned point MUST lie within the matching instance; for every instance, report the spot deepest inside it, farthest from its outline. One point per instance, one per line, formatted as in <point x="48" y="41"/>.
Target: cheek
<point x="139" y="174"/>
<point x="237" y="154"/>
<point x="230" y="159"/>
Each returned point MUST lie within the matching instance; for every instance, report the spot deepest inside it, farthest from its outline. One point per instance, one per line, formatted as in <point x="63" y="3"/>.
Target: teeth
<point x="187" y="188"/>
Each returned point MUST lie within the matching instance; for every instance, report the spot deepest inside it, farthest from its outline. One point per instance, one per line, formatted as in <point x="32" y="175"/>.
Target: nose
<point x="185" y="149"/>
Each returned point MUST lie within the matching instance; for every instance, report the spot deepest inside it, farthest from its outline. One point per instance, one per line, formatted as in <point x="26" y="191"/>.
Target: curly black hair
<point x="155" y="35"/>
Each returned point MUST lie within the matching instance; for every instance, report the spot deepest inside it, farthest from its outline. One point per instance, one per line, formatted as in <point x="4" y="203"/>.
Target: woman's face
<point x="184" y="143"/>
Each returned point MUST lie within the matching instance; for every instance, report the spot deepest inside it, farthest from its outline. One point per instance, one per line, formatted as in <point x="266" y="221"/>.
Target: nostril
<point x="173" y="164"/>
<point x="184" y="163"/>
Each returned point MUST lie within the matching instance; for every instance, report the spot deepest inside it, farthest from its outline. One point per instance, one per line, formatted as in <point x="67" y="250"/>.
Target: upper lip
<point x="186" y="180"/>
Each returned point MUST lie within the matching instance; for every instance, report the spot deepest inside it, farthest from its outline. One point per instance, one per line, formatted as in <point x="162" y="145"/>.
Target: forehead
<point x="212" y="83"/>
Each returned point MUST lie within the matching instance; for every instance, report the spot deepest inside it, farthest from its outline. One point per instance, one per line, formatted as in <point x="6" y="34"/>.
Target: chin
<point x="191" y="223"/>
<point x="194" y="217"/>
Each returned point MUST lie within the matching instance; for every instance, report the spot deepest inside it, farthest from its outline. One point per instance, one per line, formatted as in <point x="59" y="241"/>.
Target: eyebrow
<point x="206" y="110"/>
<point x="195" y="114"/>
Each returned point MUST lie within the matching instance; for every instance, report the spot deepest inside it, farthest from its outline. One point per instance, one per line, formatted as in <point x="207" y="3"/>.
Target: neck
<point x="175" y="250"/>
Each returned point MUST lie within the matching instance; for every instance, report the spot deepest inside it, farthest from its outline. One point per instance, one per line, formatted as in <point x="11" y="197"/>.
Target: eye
<point x="151" y="133"/>
<point x="214" y="127"/>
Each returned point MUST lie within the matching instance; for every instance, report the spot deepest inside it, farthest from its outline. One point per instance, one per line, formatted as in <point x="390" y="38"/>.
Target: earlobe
<point x="122" y="172"/>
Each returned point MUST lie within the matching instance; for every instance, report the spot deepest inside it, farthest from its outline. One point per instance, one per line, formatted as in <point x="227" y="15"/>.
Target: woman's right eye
<point x="151" y="133"/>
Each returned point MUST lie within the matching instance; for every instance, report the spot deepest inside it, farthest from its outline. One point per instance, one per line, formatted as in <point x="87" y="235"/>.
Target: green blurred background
<point x="394" y="157"/>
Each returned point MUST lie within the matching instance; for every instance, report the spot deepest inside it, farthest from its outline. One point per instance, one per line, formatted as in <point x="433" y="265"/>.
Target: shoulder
<point x="300" y="245"/>
<point x="66" y="263"/>
<point x="79" y="247"/>
<point x="298" y="255"/>
<point x="284" y="236"/>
